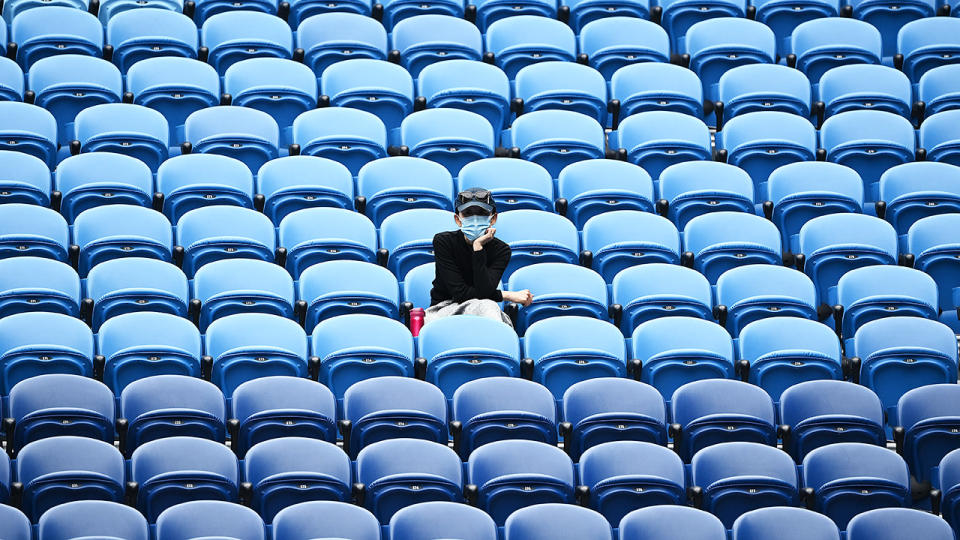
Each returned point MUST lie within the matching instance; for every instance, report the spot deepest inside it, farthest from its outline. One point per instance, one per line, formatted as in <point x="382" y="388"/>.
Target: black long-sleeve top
<point x="463" y="273"/>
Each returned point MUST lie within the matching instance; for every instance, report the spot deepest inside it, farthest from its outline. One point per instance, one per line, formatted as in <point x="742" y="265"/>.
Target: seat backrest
<point x="819" y="36"/>
<point x="199" y="519"/>
<point x="390" y="177"/>
<point x="716" y="228"/>
<point x="16" y="526"/>
<point x="529" y="32"/>
<point x="625" y="227"/>
<point x="517" y="227"/>
<point x="704" y="176"/>
<point x="926" y="403"/>
<point x="801" y="177"/>
<point x="438" y="519"/>
<point x="233" y="222"/>
<point x="560" y="279"/>
<point x="664" y="521"/>
<point x="281" y="393"/>
<point x="255" y="331"/>
<point x="233" y="28"/>
<point x="556" y="77"/>
<point x="755" y="128"/>
<point x="770" y="82"/>
<point x="417" y="224"/>
<point x="147" y="330"/>
<point x="226" y="122"/>
<point x="643" y="80"/>
<point x="271" y="459"/>
<point x="651" y="279"/>
<point x="173" y="392"/>
<point x="553" y="336"/>
<point x="848" y="229"/>
<point x="887" y="283"/>
<point x="242" y="277"/>
<point x="765" y="336"/>
<point x="506" y="178"/>
<point x="666" y="334"/>
<point x="292" y="173"/>
<point x="865" y="83"/>
<point x="333" y="124"/>
<point x="611" y="395"/>
<point x="28" y="174"/>
<point x="167" y="73"/>
<point x="198" y="170"/>
<point x="358" y="75"/>
<point x="60" y="455"/>
<point x="604" y="174"/>
<point x="608" y="34"/>
<point x="853" y="460"/>
<point x="654" y="128"/>
<point x="890" y="523"/>
<point x="360" y="331"/>
<point x="390" y="458"/>
<point x="927" y="36"/>
<point x="299" y="229"/>
<point x="784" y="522"/>
<point x="810" y="399"/>
<point x="863" y="128"/>
<point x="919" y="178"/>
<point x="84" y="519"/>
<point x="32" y="223"/>
<point x="103" y="169"/>
<point x="121" y="121"/>
<point x="892" y="332"/>
<point x="712" y="36"/>
<point x="258" y="75"/>
<point x="185" y="455"/>
<point x="624" y="459"/>
<point x="383" y="394"/>
<point x="465" y="332"/>
<point x="556" y="127"/>
<point x="699" y="399"/>
<point x="554" y="521"/>
<point x="935" y="89"/>
<point x="520" y="458"/>
<point x="744" y="459"/>
<point x="68" y="393"/>
<point x="325" y="519"/>
<point x="502" y="394"/>
<point x="343" y="278"/>
<point x="122" y="221"/>
<point x="66" y="72"/>
<point x="764" y="280"/>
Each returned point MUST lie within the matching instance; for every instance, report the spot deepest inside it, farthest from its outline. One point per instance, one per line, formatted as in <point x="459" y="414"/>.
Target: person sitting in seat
<point x="470" y="262"/>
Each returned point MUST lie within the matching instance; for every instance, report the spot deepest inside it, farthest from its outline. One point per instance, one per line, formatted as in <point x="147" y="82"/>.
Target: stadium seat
<point x="761" y="142"/>
<point x="134" y="284"/>
<point x="510" y="475"/>
<point x="59" y="470"/>
<point x="926" y="425"/>
<point x="138" y="34"/>
<point x="596" y="186"/>
<point x="762" y="87"/>
<point x="462" y="348"/>
<point x="555" y="521"/>
<point x="657" y="139"/>
<point x="759" y="291"/>
<point x="384" y="408"/>
<point x="251" y="345"/>
<point x="940" y="138"/>
<point x="694" y="188"/>
<point x="514" y="184"/>
<point x="451" y="137"/>
<point x="678" y="16"/>
<point x="109" y="8"/>
<point x="559" y="289"/>
<point x="401" y="183"/>
<point x="555" y="139"/>
<point x="122" y="128"/>
<point x="215" y="233"/>
<point x="84" y="519"/>
<point x="925" y="44"/>
<point x="834" y="244"/>
<point x="936" y="91"/>
<point x="207" y="8"/>
<point x="205" y="519"/>
<point x="351" y="137"/>
<point x="801" y="191"/>
<point x="318" y="519"/>
<point x="784" y="17"/>
<point x="417" y="286"/>
<point x="31" y="131"/>
<point x="424" y="39"/>
<point x="678" y="350"/>
<point x="948" y="482"/>
<point x="294" y="183"/>
<point x="360" y="346"/>
<point x="225" y="181"/>
<point x="502" y="408"/>
<point x="438" y="519"/>
<point x="582" y="12"/>
<point x="712" y="52"/>
<point x="14" y="8"/>
<point x="176" y="470"/>
<point x="33" y="231"/>
<point x="289" y="470"/>
<point x="655" y="290"/>
<point x="340" y="287"/>
<point x="625" y="475"/>
<point x="890" y="523"/>
<point x="106" y="233"/>
<point x="870" y="142"/>
<point x="279" y="87"/>
<point x="233" y="36"/>
<point x="395" y="11"/>
<point x="890" y="19"/>
<point x="784" y="522"/>
<point x="785" y="351"/>
<point x="11" y="81"/>
<point x="931" y="242"/>
<point x="36" y="284"/>
<point x="597" y="411"/>
<point x="564" y="86"/>
<point x="170" y="406"/>
<point x="823" y="412"/>
<point x="279" y="407"/>
<point x="336" y="36"/>
<point x="39" y="343"/>
<point x="612" y="42"/>
<point x="712" y="411"/>
<point x="874" y="292"/>
<point x="656" y="86"/>
<point x="821" y="44"/>
<point x="717" y="242"/>
<point x="315" y="235"/>
<point x="537" y="237"/>
<point x="231" y="286"/>
<point x="401" y="472"/>
<point x="865" y="86"/>
<point x="375" y="86"/>
<point x="850" y="478"/>
<point x="66" y="84"/>
<point x="55" y="30"/>
<point x="663" y="521"/>
<point x="919" y="352"/>
<point x="101" y="178"/>
<point x="406" y="238"/>
<point x="623" y="238"/>
<point x="520" y="40"/>
<point x="566" y="350"/>
<point x="55" y="404"/>
<point x="138" y="345"/>
<point x="29" y="177"/>
<point x="737" y="477"/>
<point x="469" y="85"/>
<point x="176" y="87"/>
<point x="246" y="134"/>
<point x="15" y="526"/>
<point x="491" y="11"/>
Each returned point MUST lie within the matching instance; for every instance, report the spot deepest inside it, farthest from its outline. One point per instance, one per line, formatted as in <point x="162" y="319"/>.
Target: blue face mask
<point x="473" y="227"/>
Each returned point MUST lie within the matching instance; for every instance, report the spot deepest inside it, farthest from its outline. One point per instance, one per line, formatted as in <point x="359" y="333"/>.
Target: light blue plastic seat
<point x="232" y="286"/>
<point x="786" y="522"/>
<point x="32" y="131"/>
<point x="341" y="235"/>
<point x="11" y="81"/>
<point x="559" y="289"/>
<point x="679" y="15"/>
<point x="54" y="405"/>
<point x="294" y="183"/>
<point x="874" y="292"/>
<point x="38" y="284"/>
<point x="865" y="86"/>
<point x="340" y="287"/>
<point x="439" y="519"/>
<point x="887" y="523"/>
<point x="451" y="137"/>
<point x="80" y="519"/>
<point x="935" y="89"/>
<point x="29" y="177"/>
<point x="927" y="43"/>
<point x="624" y="238"/>
<point x="564" y="86"/>
<point x="336" y="36"/>
<point x="14" y="8"/>
<point x="522" y="39"/>
<point x="246" y="134"/>
<point x="655" y="140"/>
<point x="281" y="407"/>
<point x="134" y="284"/>
<point x="117" y="231"/>
<point x="695" y="188"/>
<point x="723" y="240"/>
<point x="427" y="38"/>
<point x="931" y="243"/>
<point x="122" y="128"/>
<point x="418" y="285"/>
<point x="595" y="186"/>
<point x="395" y="184"/>
<point x="556" y="521"/>
<point x="655" y="290"/>
<point x="15" y="525"/>
<point x="407" y="238"/>
<point x="925" y="428"/>
<point x="763" y="87"/>
<point x="205" y="519"/>
<point x="101" y="178"/>
<point x="55" y="30"/>
<point x="537" y="237"/>
<point x="674" y="519"/>
<point x="555" y="139"/>
<point x="469" y="85"/>
<point x="150" y="32"/>
<point x="214" y="233"/>
<point x="940" y="137"/>
<point x="784" y="17"/>
<point x="759" y="291"/>
<point x="490" y="11"/>
<point x="175" y="87"/>
<point x="375" y="86"/>
<point x="656" y="86"/>
<point x="890" y="19"/>
<point x="233" y="36"/>
<point x="35" y="231"/>
<point x="620" y="38"/>
<point x="821" y="44"/>
<point x="582" y="12"/>
<point x="109" y="8"/>
<point x="514" y="184"/>
<point x="33" y="344"/>
<point x="713" y="51"/>
<point x="351" y="137"/>
<point x="318" y="519"/>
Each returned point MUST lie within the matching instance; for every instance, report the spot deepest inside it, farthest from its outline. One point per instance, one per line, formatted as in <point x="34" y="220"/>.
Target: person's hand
<point x="518" y="297"/>
<point x="486" y="237"/>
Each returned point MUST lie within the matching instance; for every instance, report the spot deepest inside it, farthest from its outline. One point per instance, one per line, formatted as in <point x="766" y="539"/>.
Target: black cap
<point x="479" y="197"/>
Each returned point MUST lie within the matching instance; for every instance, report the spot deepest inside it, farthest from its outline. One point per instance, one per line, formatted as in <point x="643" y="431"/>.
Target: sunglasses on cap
<point x="479" y="195"/>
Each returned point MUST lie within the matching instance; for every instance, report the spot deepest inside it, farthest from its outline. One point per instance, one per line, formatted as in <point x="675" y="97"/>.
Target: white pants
<point x="474" y="306"/>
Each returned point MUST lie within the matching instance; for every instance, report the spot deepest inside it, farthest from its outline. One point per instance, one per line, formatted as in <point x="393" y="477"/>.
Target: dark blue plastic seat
<point x="821" y="44"/>
<point x="656" y="86"/>
<point x="694" y="188"/>
<point x="29" y="181"/>
<point x="850" y="478"/>
<point x="712" y="51"/>
<point x="84" y="519"/>
<point x="737" y="477"/>
<point x="401" y="183"/>
<point x="874" y="292"/>
<point x="617" y="38"/>
<point x="375" y="86"/>
<point x="724" y="240"/>
<point x="424" y="39"/>
<point x="342" y="235"/>
<point x="40" y="343"/>
<point x="819" y="413"/>
<point x="406" y="238"/>
<point x="759" y="291"/>
<point x="37" y="284"/>
<point x="514" y="184"/>
<point x="59" y="470"/>
<point x="890" y="523"/>
<point x="224" y="181"/>
<point x="556" y="138"/>
<point x="117" y="231"/>
<point x="940" y="137"/>
<point x="655" y="290"/>
<point x="340" y="287"/>
<point x="33" y="231"/>
<point x="233" y="36"/>
<point x="469" y="85"/>
<point x="623" y="238"/>
<point x="31" y="131"/>
<point x="596" y="186"/>
<point x="216" y="233"/>
<point x="176" y="470"/>
<point x="336" y="36"/>
<point x="786" y="523"/>
<point x="865" y="86"/>
<point x="122" y="128"/>
<point x="935" y="252"/>
<point x="559" y="289"/>
<point x="234" y="286"/>
<point x="55" y="30"/>
<point x="462" y="348"/>
<point x="663" y="521"/>
<point x="936" y="91"/>
<point x="242" y="133"/>
<point x="278" y="407"/>
<point x="565" y="86"/>
<point x="927" y="426"/>
<point x="150" y="32"/>
<point x="657" y="139"/>
<point x="101" y="178"/>
<point x="441" y="519"/>
<point x="537" y="237"/>
<point x="176" y="87"/>
<point x="290" y="470"/>
<point x="58" y="404"/>
<point x="554" y="521"/>
<point x="763" y="87"/>
<point x="208" y="519"/>
<point x="318" y="519"/>
<point x="294" y="183"/>
<point x="349" y="136"/>
<point x="138" y="345"/>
